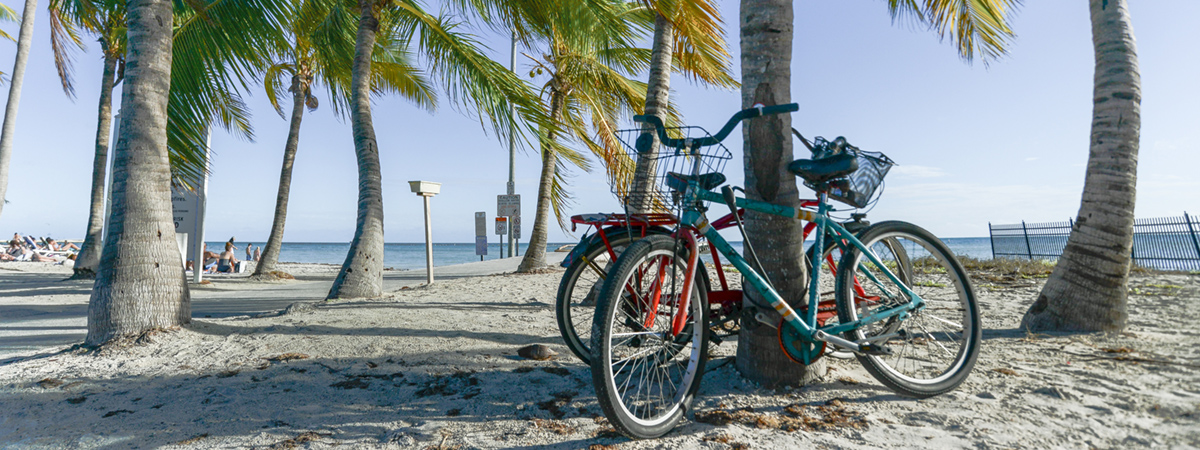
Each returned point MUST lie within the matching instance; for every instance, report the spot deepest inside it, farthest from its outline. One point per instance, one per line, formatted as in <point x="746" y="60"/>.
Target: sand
<point x="437" y="367"/>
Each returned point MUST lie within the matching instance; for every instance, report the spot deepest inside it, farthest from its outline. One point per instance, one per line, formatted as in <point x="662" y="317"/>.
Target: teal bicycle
<point x="905" y="307"/>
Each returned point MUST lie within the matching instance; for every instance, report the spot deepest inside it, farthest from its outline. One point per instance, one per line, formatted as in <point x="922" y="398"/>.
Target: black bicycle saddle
<point x="818" y="171"/>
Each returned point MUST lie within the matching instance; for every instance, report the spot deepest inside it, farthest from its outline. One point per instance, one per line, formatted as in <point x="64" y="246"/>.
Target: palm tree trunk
<point x="766" y="44"/>
<point x="362" y="273"/>
<point x="270" y="255"/>
<point x="535" y="255"/>
<point x="140" y="285"/>
<point x="24" y="42"/>
<point x="658" y="91"/>
<point x="89" y="252"/>
<point x="1087" y="290"/>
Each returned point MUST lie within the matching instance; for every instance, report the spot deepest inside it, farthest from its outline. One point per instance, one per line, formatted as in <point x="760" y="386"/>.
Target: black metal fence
<point x="1169" y="243"/>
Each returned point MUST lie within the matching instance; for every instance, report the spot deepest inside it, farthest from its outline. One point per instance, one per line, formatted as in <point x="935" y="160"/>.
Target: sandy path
<point x="436" y="367"/>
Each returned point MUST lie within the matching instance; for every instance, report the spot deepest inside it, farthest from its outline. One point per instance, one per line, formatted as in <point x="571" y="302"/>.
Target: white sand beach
<point x="437" y="367"/>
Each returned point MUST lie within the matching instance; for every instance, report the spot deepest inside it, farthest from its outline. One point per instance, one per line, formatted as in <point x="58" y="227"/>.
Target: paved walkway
<point x="41" y="311"/>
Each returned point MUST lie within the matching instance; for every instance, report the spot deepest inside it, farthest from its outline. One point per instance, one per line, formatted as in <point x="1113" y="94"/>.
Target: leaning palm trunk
<point x="140" y="285"/>
<point x="658" y="91"/>
<point x="24" y="41"/>
<point x="270" y="256"/>
<point x="362" y="273"/>
<point x="535" y="254"/>
<point x="89" y="252"/>
<point x="1087" y="290"/>
<point x="766" y="43"/>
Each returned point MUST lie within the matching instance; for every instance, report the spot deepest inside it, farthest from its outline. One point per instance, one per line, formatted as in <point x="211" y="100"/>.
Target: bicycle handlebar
<point x="749" y="113"/>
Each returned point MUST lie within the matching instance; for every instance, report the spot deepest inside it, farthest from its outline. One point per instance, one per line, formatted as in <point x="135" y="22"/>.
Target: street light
<point x="427" y="189"/>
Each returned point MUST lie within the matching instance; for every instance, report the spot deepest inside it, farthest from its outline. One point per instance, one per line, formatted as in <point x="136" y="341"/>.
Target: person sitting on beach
<point x="228" y="261"/>
<point x="55" y="246"/>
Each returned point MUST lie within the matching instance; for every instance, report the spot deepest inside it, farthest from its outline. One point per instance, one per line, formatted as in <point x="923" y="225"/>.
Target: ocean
<point x="412" y="256"/>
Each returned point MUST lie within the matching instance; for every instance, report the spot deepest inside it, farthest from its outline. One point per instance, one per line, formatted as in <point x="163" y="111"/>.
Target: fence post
<point x="992" y="239"/>
<point x="1192" y="230"/>
<point x="1028" y="248"/>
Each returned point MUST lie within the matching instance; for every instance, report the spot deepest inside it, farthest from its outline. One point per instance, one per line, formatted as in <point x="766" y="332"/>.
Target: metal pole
<point x="1192" y="230"/>
<point x="428" y="243"/>
<point x="1028" y="248"/>
<point x="992" y="239"/>
<point x="512" y="152"/>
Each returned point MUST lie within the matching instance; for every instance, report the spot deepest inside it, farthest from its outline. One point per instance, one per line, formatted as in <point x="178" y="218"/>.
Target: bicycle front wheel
<point x="932" y="350"/>
<point x="649" y="348"/>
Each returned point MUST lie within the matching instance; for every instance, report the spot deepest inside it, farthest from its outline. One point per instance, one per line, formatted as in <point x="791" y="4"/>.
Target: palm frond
<point x="975" y="27"/>
<point x="64" y="41"/>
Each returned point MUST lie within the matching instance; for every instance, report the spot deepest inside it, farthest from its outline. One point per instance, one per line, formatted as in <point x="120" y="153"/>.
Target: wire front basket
<point x="859" y="187"/>
<point x="643" y="186"/>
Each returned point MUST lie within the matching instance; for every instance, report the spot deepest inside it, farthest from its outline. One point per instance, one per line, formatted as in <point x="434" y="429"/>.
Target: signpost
<point x="501" y="230"/>
<point x="427" y="189"/>
<point x="509" y="206"/>
<point x="481" y="234"/>
<point x="187" y="211"/>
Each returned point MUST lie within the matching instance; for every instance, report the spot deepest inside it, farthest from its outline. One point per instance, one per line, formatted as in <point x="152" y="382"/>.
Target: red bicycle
<point x="590" y="261"/>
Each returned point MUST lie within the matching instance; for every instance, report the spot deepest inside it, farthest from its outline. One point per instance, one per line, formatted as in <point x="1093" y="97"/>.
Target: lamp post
<point x="427" y="189"/>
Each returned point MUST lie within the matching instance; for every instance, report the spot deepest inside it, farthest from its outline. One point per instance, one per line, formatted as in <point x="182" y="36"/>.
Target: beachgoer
<point x="249" y="252"/>
<point x="228" y="261"/>
<point x="257" y="253"/>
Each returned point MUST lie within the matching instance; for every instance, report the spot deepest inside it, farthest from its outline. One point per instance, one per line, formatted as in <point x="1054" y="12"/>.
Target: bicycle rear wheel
<point x="934" y="348"/>
<point x="580" y="287"/>
<point x="645" y="373"/>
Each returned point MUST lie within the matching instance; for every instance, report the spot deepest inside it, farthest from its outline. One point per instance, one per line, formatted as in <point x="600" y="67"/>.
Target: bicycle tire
<point x="628" y="359"/>
<point x="945" y="332"/>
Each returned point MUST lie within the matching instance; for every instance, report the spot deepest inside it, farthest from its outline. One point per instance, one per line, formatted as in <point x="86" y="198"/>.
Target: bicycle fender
<point x="590" y="240"/>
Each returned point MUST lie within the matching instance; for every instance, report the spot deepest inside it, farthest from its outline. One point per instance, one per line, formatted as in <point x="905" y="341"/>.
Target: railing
<point x="1169" y="243"/>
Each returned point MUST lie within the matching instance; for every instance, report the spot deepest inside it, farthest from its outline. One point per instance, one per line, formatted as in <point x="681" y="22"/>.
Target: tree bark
<point x="766" y="45"/>
<point x="89" y="252"/>
<point x="270" y="255"/>
<point x="1088" y="289"/>
<point x="658" y="91"/>
<point x="362" y="273"/>
<point x="140" y="285"/>
<point x="24" y="42"/>
<point x="535" y="255"/>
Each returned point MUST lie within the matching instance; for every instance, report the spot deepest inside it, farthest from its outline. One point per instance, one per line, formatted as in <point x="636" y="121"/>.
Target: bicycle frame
<point x="694" y="220"/>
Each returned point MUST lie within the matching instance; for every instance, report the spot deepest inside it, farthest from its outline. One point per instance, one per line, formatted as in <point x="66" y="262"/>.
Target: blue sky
<point x="975" y="144"/>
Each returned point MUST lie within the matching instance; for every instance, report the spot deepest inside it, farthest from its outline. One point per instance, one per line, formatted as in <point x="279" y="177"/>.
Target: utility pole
<point x="512" y="141"/>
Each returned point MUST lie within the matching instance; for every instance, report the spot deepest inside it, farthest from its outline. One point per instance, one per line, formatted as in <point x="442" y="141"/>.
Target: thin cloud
<point x="912" y="171"/>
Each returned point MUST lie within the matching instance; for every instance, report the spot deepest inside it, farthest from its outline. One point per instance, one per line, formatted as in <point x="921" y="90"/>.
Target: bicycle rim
<point x="648" y="375"/>
<point x="933" y="349"/>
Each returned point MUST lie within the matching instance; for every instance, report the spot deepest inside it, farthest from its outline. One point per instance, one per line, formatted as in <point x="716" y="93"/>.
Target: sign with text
<point x="508" y="205"/>
<point x="516" y="226"/>
<point x="501" y="226"/>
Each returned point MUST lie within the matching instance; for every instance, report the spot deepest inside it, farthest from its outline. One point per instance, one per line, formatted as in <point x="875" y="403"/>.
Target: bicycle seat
<point x="818" y="171"/>
<point x="707" y="181"/>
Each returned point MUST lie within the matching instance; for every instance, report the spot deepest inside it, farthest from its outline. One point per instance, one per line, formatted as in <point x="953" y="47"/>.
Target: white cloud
<point x="917" y="171"/>
<point x="1032" y="158"/>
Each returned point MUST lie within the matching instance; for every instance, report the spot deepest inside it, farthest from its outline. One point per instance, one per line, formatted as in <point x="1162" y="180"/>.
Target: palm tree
<point x="699" y="38"/>
<point x="323" y="50"/>
<point x="140" y="285"/>
<point x="588" y="79"/>
<point x="105" y="19"/>
<point x="588" y="64"/>
<point x="1088" y="288"/>
<point x="482" y="84"/>
<point x="24" y="42"/>
<point x="766" y="30"/>
<point x="191" y="106"/>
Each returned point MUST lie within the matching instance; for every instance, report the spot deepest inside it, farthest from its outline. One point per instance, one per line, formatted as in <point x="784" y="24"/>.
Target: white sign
<point x="501" y="226"/>
<point x="185" y="206"/>
<point x="508" y="205"/>
<point x="480" y="224"/>
<point x="516" y="226"/>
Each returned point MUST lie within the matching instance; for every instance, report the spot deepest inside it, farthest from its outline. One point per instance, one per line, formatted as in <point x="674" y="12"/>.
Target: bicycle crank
<point x="797" y="348"/>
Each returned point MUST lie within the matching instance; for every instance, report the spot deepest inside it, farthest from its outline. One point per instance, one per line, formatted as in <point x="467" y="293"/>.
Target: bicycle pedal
<point x="870" y="348"/>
